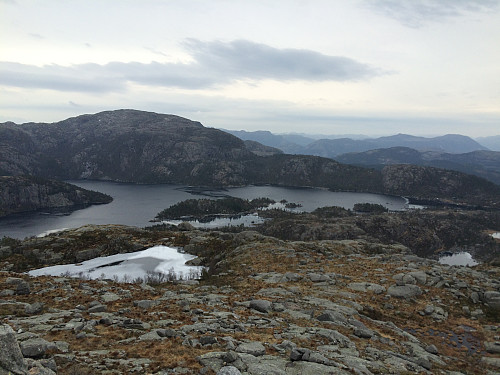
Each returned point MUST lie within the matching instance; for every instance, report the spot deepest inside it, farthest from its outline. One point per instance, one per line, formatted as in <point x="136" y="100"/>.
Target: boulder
<point x="404" y="291"/>
<point x="254" y="348"/>
<point x="261" y="305"/>
<point x="11" y="357"/>
<point x="492" y="298"/>
<point x="492" y="347"/>
<point x="334" y="317"/>
<point x="36" y="347"/>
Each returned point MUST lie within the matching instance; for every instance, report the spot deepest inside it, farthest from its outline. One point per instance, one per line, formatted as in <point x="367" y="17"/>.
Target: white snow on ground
<point x="127" y="267"/>
<point x="458" y="259"/>
<point x="46" y="233"/>
<point x="496" y="235"/>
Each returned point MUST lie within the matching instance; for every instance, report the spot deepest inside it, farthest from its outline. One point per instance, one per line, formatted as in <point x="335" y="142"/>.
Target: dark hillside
<point x="21" y="194"/>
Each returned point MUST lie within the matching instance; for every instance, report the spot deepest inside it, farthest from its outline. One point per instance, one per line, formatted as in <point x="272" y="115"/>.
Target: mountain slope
<point x="145" y="147"/>
<point x="288" y="143"/>
<point x="124" y="145"/>
<point x="485" y="164"/>
<point x="21" y="193"/>
<point x="492" y="142"/>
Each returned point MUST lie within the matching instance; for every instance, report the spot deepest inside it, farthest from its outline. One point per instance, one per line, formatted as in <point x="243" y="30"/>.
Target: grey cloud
<point x="83" y="78"/>
<point x="215" y="63"/>
<point x="417" y="13"/>
<point x="245" y="59"/>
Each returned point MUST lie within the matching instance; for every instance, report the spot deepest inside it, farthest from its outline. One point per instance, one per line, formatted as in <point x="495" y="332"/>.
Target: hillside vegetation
<point x="145" y="147"/>
<point x="21" y="194"/>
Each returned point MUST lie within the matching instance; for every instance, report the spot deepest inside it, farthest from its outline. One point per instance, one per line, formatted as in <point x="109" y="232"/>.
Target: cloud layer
<point x="214" y="64"/>
<point x="417" y="13"/>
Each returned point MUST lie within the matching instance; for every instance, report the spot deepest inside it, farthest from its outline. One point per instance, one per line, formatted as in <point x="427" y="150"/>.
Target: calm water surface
<point x="136" y="205"/>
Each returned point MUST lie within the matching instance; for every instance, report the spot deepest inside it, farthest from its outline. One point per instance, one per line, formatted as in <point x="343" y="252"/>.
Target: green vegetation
<point x="331" y="211"/>
<point x="199" y="208"/>
<point x="9" y="241"/>
<point x="369" y="208"/>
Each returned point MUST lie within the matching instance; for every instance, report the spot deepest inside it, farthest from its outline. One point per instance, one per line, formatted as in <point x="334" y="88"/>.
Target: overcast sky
<point x="376" y="67"/>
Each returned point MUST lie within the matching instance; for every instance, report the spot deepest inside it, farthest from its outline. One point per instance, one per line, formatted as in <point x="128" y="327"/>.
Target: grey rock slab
<point x="432" y="349"/>
<point x="492" y="347"/>
<point x="334" y="317"/>
<point x="213" y="360"/>
<point x="11" y="357"/>
<point x="39" y="368"/>
<point x="318" y="277"/>
<point x="329" y="305"/>
<point x="312" y="368"/>
<point x="254" y="348"/>
<point x="363" y="333"/>
<point x="335" y="337"/>
<point x="150" y="336"/>
<point x="22" y="287"/>
<point x="491" y="361"/>
<point x="110" y="297"/>
<point x="34" y="308"/>
<point x="36" y="347"/>
<point x="97" y="308"/>
<point x="367" y="287"/>
<point x="312" y="356"/>
<point x="167" y="332"/>
<point x="492" y="298"/>
<point x="228" y="370"/>
<point x="145" y="304"/>
<point x="208" y="340"/>
<point x="265" y="365"/>
<point x="404" y="291"/>
<point x="260" y="305"/>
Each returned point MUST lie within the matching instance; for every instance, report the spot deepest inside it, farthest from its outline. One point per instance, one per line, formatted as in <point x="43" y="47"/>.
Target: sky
<point x="374" y="67"/>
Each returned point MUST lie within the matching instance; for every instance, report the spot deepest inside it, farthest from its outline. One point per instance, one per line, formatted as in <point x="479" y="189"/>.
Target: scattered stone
<point x="34" y="308"/>
<point x="363" y="333"/>
<point x="260" y="305"/>
<point x="404" y="291"/>
<point x="145" y="304"/>
<point x="334" y="317"/>
<point x="11" y="357"/>
<point x="97" y="308"/>
<point x="432" y="349"/>
<point x="35" y="347"/>
<point x="208" y="340"/>
<point x="228" y="370"/>
<point x="492" y="347"/>
<point x="254" y="348"/>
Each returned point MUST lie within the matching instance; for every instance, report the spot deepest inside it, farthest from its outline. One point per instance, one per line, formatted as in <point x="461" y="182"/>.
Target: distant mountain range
<point x="452" y="151"/>
<point x="145" y="147"/>
<point x="493" y="142"/>
<point x="330" y="148"/>
<point x="484" y="164"/>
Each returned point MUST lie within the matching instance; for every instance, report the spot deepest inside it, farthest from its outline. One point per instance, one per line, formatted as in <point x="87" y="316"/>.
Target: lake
<point x="136" y="205"/>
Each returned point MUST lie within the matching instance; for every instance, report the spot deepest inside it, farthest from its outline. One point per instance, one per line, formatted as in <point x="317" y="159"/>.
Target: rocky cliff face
<point x="434" y="183"/>
<point x="20" y="194"/>
<point x="123" y="145"/>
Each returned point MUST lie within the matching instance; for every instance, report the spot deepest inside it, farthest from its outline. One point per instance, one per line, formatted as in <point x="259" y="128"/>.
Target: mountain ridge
<point x="146" y="147"/>
<point x="485" y="164"/>
<point x="328" y="147"/>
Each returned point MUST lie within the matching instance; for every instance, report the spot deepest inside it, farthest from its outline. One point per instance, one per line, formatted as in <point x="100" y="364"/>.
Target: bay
<point x="136" y="205"/>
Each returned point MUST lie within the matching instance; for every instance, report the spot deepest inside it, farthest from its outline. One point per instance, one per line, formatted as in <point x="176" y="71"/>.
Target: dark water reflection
<point x="136" y="205"/>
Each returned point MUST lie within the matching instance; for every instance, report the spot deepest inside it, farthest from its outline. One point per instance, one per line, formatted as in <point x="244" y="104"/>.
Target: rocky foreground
<point x="267" y="306"/>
